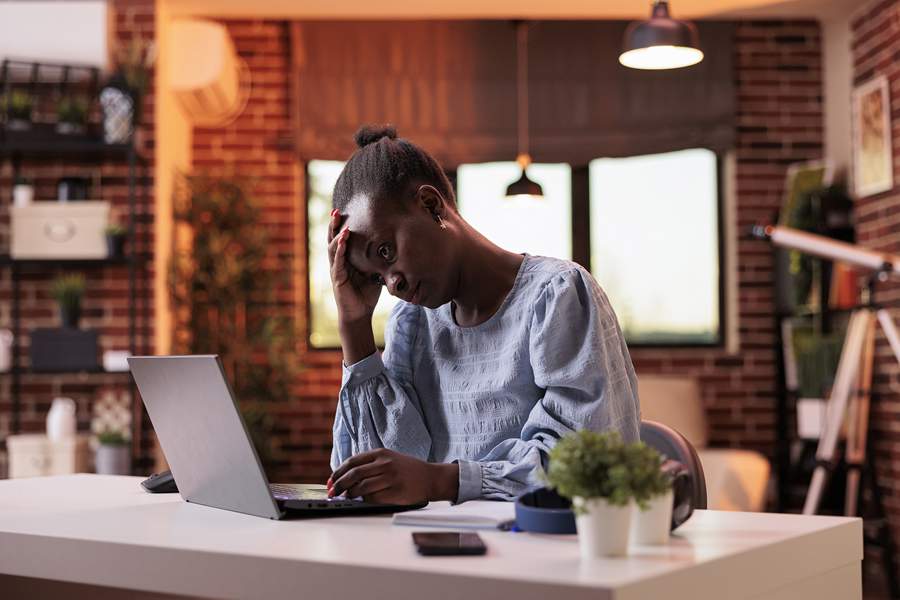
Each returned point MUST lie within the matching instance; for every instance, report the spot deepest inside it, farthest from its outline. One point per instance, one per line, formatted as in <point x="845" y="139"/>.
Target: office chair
<point x="689" y="481"/>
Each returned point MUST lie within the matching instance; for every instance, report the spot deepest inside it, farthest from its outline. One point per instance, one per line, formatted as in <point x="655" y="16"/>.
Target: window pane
<point x="542" y="227"/>
<point x="323" y="312"/>
<point x="654" y="244"/>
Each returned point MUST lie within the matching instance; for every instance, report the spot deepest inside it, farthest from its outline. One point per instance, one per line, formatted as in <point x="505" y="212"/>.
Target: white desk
<point x="106" y="531"/>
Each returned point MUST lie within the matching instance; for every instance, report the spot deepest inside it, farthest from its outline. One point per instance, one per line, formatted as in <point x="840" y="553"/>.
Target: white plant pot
<point x="113" y="460"/>
<point x="603" y="528"/>
<point x="651" y="526"/>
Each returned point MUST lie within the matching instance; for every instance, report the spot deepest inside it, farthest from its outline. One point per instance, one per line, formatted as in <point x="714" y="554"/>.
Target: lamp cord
<point x="522" y="85"/>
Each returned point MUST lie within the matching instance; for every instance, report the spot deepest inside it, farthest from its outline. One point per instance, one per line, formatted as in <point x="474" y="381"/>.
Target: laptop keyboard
<point x="289" y="492"/>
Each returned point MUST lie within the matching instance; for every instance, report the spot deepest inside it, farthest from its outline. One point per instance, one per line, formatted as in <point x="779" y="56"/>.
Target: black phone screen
<point x="448" y="543"/>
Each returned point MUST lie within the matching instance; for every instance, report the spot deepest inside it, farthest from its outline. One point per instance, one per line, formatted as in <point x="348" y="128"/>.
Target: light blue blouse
<point x="495" y="397"/>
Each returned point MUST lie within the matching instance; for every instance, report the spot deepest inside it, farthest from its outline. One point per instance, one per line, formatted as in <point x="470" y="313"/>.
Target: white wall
<point x="69" y="32"/>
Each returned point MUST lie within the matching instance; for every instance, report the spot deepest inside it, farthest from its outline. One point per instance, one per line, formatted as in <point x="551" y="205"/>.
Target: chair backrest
<point x="675" y="446"/>
<point x="675" y="401"/>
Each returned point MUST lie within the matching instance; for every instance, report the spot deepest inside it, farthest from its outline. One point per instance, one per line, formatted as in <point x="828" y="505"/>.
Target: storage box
<point x="34" y="455"/>
<point x="64" y="349"/>
<point x="59" y="230"/>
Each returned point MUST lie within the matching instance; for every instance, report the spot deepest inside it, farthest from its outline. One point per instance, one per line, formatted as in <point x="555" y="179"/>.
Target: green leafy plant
<point x="588" y="464"/>
<point x="224" y="287"/>
<point x="68" y="290"/>
<point x="648" y="480"/>
<point x="72" y="110"/>
<point x="18" y="105"/>
<point x="111" y="437"/>
<point x="115" y="230"/>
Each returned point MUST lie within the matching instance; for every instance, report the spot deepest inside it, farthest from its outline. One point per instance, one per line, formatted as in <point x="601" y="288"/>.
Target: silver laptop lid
<point x="202" y="434"/>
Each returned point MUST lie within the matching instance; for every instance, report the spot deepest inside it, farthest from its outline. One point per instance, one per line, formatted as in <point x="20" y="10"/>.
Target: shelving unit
<point x="18" y="149"/>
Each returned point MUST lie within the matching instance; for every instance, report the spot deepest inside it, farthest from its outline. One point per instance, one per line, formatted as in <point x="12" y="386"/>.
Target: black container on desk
<point x="72" y="189"/>
<point x="64" y="349"/>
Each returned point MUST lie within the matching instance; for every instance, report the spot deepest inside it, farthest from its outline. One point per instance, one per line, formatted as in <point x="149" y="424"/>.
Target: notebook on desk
<point x="469" y="515"/>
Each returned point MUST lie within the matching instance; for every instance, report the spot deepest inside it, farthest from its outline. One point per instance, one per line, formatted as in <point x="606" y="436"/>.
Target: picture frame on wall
<point x="872" y="161"/>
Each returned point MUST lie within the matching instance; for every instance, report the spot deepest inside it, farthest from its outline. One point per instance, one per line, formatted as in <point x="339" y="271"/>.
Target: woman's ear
<point x="429" y="198"/>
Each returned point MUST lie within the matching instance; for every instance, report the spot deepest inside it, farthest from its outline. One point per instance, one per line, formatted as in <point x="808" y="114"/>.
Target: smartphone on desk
<point x="448" y="543"/>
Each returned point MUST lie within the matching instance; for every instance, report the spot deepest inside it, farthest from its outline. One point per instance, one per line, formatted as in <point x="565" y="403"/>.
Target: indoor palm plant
<point x="68" y="291"/>
<point x="225" y="285"/>
<point x="593" y="470"/>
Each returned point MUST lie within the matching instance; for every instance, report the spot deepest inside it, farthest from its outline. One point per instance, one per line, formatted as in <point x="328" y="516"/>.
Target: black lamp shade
<point x="524" y="187"/>
<point x="661" y="42"/>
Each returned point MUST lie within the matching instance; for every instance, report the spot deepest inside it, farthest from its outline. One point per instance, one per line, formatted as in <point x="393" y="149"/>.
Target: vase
<point x="112" y="459"/>
<point x="23" y="194"/>
<point x="651" y="526"/>
<point x="603" y="528"/>
<point x="70" y="315"/>
<point x="61" y="419"/>
<point x="115" y="246"/>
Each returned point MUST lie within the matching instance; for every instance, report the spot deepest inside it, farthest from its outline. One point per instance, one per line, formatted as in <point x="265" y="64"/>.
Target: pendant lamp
<point x="661" y="42"/>
<point x="523" y="186"/>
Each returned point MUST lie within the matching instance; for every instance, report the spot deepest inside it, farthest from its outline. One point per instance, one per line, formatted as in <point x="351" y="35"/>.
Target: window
<point x="525" y="224"/>
<point x="323" y="316"/>
<point x="650" y="225"/>
<point x="654" y="229"/>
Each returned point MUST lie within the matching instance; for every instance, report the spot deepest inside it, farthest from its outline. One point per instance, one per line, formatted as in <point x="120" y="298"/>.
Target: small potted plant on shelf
<point x="68" y="291"/>
<point x="652" y="489"/>
<point x="23" y="191"/>
<point x="71" y="114"/>
<point x="113" y="456"/>
<point x="116" y="235"/>
<point x="18" y="110"/>
<point x="592" y="470"/>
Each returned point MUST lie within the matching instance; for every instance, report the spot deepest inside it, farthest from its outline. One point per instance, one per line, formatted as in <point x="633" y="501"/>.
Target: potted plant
<point x="652" y="489"/>
<point x="68" y="291"/>
<point x="18" y="110"/>
<point x="71" y="114"/>
<point x="113" y="456"/>
<point x="23" y="191"/>
<point x="115" y="240"/>
<point x="592" y="470"/>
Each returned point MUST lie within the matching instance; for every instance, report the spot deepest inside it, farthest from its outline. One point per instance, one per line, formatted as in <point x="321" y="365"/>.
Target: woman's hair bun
<point x="369" y="134"/>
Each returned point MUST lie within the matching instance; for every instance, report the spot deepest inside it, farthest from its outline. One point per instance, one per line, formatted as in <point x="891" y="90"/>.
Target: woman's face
<point x="407" y="251"/>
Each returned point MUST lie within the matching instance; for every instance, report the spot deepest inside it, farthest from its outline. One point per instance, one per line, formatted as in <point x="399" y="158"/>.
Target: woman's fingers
<point x="339" y="257"/>
<point x="369" y="486"/>
<point x="355" y="476"/>
<point x="334" y="224"/>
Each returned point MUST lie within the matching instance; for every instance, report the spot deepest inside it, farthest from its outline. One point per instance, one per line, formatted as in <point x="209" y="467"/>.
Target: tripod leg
<point x="890" y="332"/>
<point x="858" y="429"/>
<point x="837" y="405"/>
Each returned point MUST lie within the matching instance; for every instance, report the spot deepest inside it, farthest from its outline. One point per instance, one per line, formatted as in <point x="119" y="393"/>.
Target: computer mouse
<point x="160" y="483"/>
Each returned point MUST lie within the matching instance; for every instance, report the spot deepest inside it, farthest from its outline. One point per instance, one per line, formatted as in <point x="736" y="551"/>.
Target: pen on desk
<point x="509" y="525"/>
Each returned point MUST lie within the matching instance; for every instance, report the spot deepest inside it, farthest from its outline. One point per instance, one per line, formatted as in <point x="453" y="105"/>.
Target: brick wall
<point x="779" y="122"/>
<point x="105" y="306"/>
<point x="876" y="51"/>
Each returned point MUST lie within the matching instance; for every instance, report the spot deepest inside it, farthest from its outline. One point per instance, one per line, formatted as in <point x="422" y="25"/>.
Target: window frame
<point x="581" y="250"/>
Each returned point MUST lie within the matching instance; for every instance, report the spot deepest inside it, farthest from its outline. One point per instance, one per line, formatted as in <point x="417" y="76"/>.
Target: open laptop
<point x="209" y="451"/>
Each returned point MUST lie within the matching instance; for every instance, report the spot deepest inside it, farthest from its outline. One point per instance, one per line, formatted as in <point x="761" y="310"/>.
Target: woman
<point x="490" y="358"/>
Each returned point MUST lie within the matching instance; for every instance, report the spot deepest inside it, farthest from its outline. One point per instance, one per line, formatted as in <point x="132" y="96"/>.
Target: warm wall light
<point x="523" y="186"/>
<point x="661" y="42"/>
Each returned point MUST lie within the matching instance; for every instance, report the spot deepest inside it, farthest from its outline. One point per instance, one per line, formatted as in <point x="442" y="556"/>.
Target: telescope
<point x="851" y="392"/>
<point x="825" y="247"/>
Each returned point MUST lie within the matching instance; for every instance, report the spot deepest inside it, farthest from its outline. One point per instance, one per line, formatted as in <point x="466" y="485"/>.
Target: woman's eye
<point x="386" y="251"/>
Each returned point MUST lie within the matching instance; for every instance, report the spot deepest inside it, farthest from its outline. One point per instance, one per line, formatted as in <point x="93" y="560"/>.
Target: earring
<point x="440" y="221"/>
